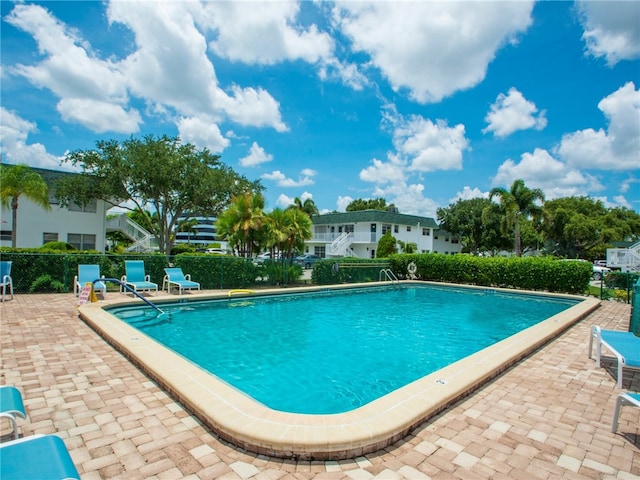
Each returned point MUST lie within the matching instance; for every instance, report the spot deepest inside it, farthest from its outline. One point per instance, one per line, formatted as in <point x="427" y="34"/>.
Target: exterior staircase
<point x="626" y="259"/>
<point x="143" y="241"/>
<point x="340" y="246"/>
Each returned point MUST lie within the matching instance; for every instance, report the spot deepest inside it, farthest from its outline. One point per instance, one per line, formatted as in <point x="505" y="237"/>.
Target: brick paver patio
<point x="548" y="417"/>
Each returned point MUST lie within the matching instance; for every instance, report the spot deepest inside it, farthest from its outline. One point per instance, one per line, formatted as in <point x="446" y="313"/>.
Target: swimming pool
<point x="325" y="353"/>
<point x="250" y="424"/>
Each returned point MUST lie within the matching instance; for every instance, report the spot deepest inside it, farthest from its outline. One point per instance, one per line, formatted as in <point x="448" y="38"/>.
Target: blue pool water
<point x="331" y="352"/>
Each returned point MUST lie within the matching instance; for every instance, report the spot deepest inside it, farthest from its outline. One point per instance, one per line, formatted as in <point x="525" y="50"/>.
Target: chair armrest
<point x="188" y="276"/>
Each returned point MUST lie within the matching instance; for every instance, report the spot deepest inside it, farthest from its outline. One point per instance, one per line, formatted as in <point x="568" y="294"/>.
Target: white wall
<point x="33" y="221"/>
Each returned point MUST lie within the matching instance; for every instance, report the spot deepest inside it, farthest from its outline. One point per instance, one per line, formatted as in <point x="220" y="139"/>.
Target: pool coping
<point x="246" y="423"/>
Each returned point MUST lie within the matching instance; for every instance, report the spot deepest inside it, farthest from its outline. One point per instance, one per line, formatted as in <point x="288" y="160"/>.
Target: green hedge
<point x="528" y="273"/>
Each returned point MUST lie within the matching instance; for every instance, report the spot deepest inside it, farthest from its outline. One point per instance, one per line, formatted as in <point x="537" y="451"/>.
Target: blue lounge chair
<point x="624" y="345"/>
<point x="623" y="399"/>
<point x="87" y="274"/>
<point x="11" y="406"/>
<point x="175" y="276"/>
<point x="5" y="279"/>
<point x="42" y="457"/>
<point x="136" y="278"/>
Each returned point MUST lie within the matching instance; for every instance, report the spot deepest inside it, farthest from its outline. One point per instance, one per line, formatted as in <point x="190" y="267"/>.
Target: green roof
<point x="373" y="216"/>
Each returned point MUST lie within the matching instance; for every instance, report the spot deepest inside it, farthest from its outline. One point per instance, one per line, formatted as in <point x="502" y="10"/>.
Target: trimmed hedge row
<point x="528" y="273"/>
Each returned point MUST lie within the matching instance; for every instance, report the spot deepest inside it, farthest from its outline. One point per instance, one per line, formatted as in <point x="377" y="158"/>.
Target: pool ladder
<point x="388" y="275"/>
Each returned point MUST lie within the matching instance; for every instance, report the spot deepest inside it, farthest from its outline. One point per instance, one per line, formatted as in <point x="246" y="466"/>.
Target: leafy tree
<point x="242" y="224"/>
<point x="163" y="173"/>
<point x="581" y="227"/>
<point x="493" y="238"/>
<point x="387" y="245"/>
<point x="286" y="231"/>
<point x="518" y="203"/>
<point x="464" y="219"/>
<point x="17" y="181"/>
<point x="408" y="247"/>
<point x="308" y="206"/>
<point x="368" y="204"/>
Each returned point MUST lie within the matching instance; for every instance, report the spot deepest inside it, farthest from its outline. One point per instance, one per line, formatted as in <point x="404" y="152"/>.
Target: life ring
<point x="412" y="267"/>
<point x="335" y="268"/>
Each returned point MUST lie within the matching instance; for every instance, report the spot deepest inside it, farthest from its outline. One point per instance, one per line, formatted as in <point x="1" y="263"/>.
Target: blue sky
<point x="421" y="103"/>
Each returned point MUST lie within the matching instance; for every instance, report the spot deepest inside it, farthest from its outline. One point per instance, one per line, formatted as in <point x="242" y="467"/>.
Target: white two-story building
<point x="357" y="234"/>
<point x="82" y="227"/>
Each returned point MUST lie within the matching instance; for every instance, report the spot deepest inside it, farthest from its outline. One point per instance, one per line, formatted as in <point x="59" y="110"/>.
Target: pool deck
<point x="547" y="417"/>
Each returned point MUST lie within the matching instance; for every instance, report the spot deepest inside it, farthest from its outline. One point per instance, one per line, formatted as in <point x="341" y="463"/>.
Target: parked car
<point x="259" y="260"/>
<point x="600" y="263"/>
<point x="306" y="261"/>
<point x="598" y="271"/>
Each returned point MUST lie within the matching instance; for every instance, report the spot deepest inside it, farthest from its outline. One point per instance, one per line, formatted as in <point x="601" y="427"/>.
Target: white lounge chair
<point x="86" y="274"/>
<point x="11" y="406"/>
<point x="136" y="278"/>
<point x="624" y="345"/>
<point x="175" y="276"/>
<point x="5" y="279"/>
<point x="623" y="399"/>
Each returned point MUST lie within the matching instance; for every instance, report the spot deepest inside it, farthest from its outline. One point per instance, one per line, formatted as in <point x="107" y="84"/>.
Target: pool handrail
<point x="129" y="289"/>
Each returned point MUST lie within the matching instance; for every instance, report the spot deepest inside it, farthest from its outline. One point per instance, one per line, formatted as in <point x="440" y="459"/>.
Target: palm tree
<point x="308" y="206"/>
<point x="241" y="223"/>
<point x="21" y="180"/>
<point x="519" y="202"/>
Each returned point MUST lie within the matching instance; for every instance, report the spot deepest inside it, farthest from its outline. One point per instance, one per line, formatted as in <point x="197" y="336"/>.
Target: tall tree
<point x="241" y="224"/>
<point x="464" y="219"/>
<point x="308" y="206"/>
<point x="518" y="203"/>
<point x="170" y="177"/>
<point x="368" y="204"/>
<point x="17" y="181"/>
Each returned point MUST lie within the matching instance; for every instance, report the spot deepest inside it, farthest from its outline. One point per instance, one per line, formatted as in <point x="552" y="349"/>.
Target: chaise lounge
<point x="623" y="399"/>
<point x="87" y="274"/>
<point x="135" y="277"/>
<point x="624" y="345"/>
<point x="37" y="457"/>
<point x="175" y="276"/>
<point x="11" y="406"/>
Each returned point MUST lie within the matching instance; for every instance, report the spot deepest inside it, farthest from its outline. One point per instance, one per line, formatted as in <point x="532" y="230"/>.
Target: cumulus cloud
<point x="242" y="27"/>
<point x="611" y="29"/>
<point x="14" y="132"/>
<point x="513" y="112"/>
<point x="256" y="156"/>
<point x="469" y="193"/>
<point x="203" y="133"/>
<point x="343" y="202"/>
<point x="614" y="149"/>
<point x="305" y="178"/>
<point x="432" y="49"/>
<point x="174" y="77"/>
<point x="541" y="170"/>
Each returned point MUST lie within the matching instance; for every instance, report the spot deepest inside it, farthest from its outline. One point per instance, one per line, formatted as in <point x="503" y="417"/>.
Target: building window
<point x="5" y="235"/>
<point x="90" y="207"/>
<point x="426" y="232"/>
<point x="454" y="240"/>
<point x="319" y="251"/>
<point x="396" y="229"/>
<point x="446" y="239"/>
<point x="82" y="241"/>
<point x="386" y="228"/>
<point x="408" y="228"/>
<point x="435" y="237"/>
<point x="49" y="237"/>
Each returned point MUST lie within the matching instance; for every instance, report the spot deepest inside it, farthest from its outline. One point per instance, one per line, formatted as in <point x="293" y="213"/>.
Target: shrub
<point x="58" y="246"/>
<point x="46" y="284"/>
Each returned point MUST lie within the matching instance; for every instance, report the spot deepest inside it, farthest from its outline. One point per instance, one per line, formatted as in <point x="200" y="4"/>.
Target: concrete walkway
<point x="547" y="418"/>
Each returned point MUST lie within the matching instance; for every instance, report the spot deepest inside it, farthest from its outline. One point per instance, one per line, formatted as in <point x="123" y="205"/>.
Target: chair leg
<point x="14" y="423"/>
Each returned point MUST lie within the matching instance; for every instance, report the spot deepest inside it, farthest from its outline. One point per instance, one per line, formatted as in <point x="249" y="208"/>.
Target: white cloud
<point x="343" y="202"/>
<point x="256" y="156"/>
<point x="540" y="170"/>
<point x="513" y="112"/>
<point x="433" y="49"/>
<point x="203" y="133"/>
<point x="284" y="201"/>
<point x="614" y="149"/>
<point x="99" y="116"/>
<point x="469" y="193"/>
<point x="611" y="29"/>
<point x="384" y="172"/>
<point x="264" y="33"/>
<point x="14" y="132"/>
<point x="306" y="178"/>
